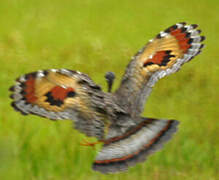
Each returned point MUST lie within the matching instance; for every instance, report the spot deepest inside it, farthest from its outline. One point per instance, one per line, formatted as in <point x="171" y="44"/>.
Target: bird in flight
<point x="114" y="118"/>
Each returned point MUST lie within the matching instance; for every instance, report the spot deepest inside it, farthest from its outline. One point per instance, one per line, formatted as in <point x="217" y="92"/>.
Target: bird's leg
<point x="110" y="76"/>
<point x="91" y="144"/>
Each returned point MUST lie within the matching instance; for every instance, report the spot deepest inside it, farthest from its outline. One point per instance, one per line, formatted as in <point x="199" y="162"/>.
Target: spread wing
<point x="163" y="55"/>
<point x="62" y="94"/>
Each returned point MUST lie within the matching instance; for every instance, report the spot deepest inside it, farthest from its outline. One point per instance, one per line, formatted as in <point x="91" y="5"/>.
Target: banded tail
<point x="134" y="146"/>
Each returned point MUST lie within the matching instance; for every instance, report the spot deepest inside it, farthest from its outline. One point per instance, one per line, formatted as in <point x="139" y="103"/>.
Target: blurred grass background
<point x="95" y="36"/>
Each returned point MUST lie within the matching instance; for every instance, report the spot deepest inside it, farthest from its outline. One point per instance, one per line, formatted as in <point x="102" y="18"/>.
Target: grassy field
<point x="95" y="36"/>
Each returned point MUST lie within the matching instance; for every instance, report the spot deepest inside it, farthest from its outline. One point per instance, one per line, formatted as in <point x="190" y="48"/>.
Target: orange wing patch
<point x="58" y="94"/>
<point x="47" y="91"/>
<point x="55" y="97"/>
<point x="61" y="93"/>
<point x="168" y="46"/>
<point x="182" y="37"/>
<point x="161" y="58"/>
<point x="163" y="55"/>
<point x="160" y="52"/>
<point x="29" y="89"/>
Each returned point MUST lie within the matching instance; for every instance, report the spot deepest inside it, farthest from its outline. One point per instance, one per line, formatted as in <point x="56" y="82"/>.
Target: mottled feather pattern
<point x="113" y="118"/>
<point x="125" y="151"/>
<point x="62" y="94"/>
<point x="163" y="55"/>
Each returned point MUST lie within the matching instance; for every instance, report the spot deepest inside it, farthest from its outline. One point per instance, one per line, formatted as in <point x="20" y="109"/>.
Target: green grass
<point x="95" y="36"/>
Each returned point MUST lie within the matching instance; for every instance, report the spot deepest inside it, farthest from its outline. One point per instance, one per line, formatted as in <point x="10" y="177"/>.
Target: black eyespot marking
<point x="168" y="51"/>
<point x="71" y="94"/>
<point x="82" y="81"/>
<point x="161" y="58"/>
<point x="53" y="101"/>
<point x="148" y="63"/>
